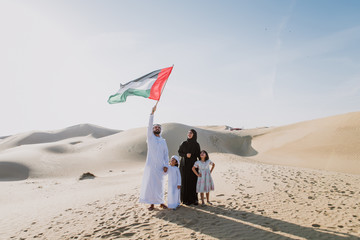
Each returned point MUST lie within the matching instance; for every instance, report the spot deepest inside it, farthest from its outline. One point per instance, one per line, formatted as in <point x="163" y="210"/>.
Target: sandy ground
<point x="265" y="188"/>
<point x="251" y="201"/>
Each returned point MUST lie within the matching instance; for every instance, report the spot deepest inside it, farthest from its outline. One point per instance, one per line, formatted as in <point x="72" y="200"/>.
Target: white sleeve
<point x="166" y="155"/>
<point x="178" y="177"/>
<point x="196" y="164"/>
<point x="150" y="126"/>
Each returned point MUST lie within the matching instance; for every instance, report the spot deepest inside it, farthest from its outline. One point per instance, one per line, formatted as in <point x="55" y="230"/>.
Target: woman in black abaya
<point x="189" y="151"/>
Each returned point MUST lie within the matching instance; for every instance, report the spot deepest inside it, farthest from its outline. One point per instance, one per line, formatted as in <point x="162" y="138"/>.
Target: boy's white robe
<point x="152" y="187"/>
<point x="174" y="180"/>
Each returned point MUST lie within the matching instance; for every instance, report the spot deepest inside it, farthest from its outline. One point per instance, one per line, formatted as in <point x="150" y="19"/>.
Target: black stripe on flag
<point x="153" y="74"/>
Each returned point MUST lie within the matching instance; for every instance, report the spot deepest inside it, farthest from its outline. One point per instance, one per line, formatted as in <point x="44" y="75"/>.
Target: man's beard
<point x="156" y="132"/>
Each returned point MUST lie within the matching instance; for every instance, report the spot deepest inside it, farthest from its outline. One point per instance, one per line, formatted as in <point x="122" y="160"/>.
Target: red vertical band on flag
<point x="155" y="91"/>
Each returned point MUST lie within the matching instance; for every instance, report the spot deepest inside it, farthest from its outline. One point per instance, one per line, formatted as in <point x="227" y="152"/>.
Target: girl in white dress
<point x="174" y="183"/>
<point x="205" y="183"/>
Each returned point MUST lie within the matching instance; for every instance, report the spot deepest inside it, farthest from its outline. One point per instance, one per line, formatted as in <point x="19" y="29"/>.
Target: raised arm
<point x="151" y="123"/>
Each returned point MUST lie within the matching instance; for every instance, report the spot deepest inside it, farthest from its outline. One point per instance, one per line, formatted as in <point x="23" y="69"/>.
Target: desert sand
<point x="300" y="181"/>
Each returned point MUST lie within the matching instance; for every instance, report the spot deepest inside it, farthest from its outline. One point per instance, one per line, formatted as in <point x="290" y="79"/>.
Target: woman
<point x="189" y="151"/>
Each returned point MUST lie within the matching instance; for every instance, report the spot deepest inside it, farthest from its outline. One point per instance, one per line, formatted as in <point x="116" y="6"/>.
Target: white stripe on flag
<point x="143" y="85"/>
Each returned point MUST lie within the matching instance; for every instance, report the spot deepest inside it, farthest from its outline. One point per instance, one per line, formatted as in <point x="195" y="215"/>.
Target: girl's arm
<point x="197" y="174"/>
<point x="212" y="168"/>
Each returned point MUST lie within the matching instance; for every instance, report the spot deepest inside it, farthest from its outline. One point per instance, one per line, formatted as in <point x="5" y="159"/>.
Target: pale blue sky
<point x="238" y="63"/>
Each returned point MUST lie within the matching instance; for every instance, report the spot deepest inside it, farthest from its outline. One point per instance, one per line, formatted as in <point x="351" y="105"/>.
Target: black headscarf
<point x="192" y="145"/>
<point x="194" y="138"/>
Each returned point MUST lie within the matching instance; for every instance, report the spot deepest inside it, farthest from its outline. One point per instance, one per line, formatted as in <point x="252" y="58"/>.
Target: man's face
<point x="156" y="130"/>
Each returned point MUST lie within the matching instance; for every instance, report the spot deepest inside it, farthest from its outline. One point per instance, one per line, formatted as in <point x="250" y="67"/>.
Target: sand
<point x="270" y="183"/>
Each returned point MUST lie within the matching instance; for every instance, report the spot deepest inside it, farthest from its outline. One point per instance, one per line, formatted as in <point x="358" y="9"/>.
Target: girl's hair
<point x="207" y="155"/>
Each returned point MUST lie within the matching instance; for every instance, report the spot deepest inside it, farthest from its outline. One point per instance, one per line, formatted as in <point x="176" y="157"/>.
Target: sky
<point x="239" y="63"/>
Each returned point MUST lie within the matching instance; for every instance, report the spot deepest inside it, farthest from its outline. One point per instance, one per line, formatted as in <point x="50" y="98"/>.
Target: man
<point x="152" y="188"/>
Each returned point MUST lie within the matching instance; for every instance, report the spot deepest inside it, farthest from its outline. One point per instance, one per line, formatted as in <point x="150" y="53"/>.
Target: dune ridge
<point x="330" y="143"/>
<point x="70" y="151"/>
<point x="36" y="137"/>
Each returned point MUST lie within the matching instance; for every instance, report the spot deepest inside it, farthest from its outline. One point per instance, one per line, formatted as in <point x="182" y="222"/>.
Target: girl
<point x="174" y="183"/>
<point x="205" y="183"/>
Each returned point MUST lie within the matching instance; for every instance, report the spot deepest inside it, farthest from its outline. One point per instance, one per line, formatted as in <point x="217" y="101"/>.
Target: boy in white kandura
<point x="174" y="183"/>
<point x="205" y="183"/>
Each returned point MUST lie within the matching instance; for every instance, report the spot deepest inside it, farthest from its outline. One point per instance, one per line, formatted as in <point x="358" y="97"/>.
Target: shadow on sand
<point x="224" y="223"/>
<point x="11" y="171"/>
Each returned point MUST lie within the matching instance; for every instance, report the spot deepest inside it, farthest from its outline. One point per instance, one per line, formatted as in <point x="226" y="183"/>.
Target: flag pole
<point x="163" y="89"/>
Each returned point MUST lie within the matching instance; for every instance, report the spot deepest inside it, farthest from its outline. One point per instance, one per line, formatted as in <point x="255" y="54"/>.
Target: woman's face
<point x="190" y="135"/>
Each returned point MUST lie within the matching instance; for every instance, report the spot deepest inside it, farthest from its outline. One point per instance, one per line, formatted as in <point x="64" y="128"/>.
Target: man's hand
<point x="153" y="110"/>
<point x="178" y="187"/>
<point x="165" y="169"/>
<point x="188" y="155"/>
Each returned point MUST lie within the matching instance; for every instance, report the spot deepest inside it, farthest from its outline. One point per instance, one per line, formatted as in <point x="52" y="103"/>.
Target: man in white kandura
<point x="152" y="188"/>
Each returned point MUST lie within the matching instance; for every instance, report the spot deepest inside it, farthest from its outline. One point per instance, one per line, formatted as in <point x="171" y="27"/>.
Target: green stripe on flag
<point x="118" y="98"/>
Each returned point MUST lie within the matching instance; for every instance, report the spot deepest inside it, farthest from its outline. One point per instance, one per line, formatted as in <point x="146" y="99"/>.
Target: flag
<point x="148" y="86"/>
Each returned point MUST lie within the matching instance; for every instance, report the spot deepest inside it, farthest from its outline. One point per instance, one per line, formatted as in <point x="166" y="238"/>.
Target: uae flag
<point x="148" y="86"/>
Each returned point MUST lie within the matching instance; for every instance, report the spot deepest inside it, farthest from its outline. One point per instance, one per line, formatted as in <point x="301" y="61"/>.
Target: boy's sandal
<point x="163" y="206"/>
<point x="151" y="208"/>
<point x="209" y="203"/>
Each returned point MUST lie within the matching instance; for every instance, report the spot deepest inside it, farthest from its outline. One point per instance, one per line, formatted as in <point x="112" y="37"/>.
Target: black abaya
<point x="188" y="193"/>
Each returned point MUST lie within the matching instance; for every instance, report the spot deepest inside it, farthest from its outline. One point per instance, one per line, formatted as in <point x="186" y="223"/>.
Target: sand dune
<point x="42" y="197"/>
<point x="212" y="141"/>
<point x="37" y="137"/>
<point x="52" y="153"/>
<point x="84" y="147"/>
<point x="331" y="143"/>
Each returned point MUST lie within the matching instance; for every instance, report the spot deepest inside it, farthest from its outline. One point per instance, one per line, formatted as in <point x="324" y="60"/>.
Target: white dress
<point x="174" y="180"/>
<point x="152" y="187"/>
<point x="204" y="183"/>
